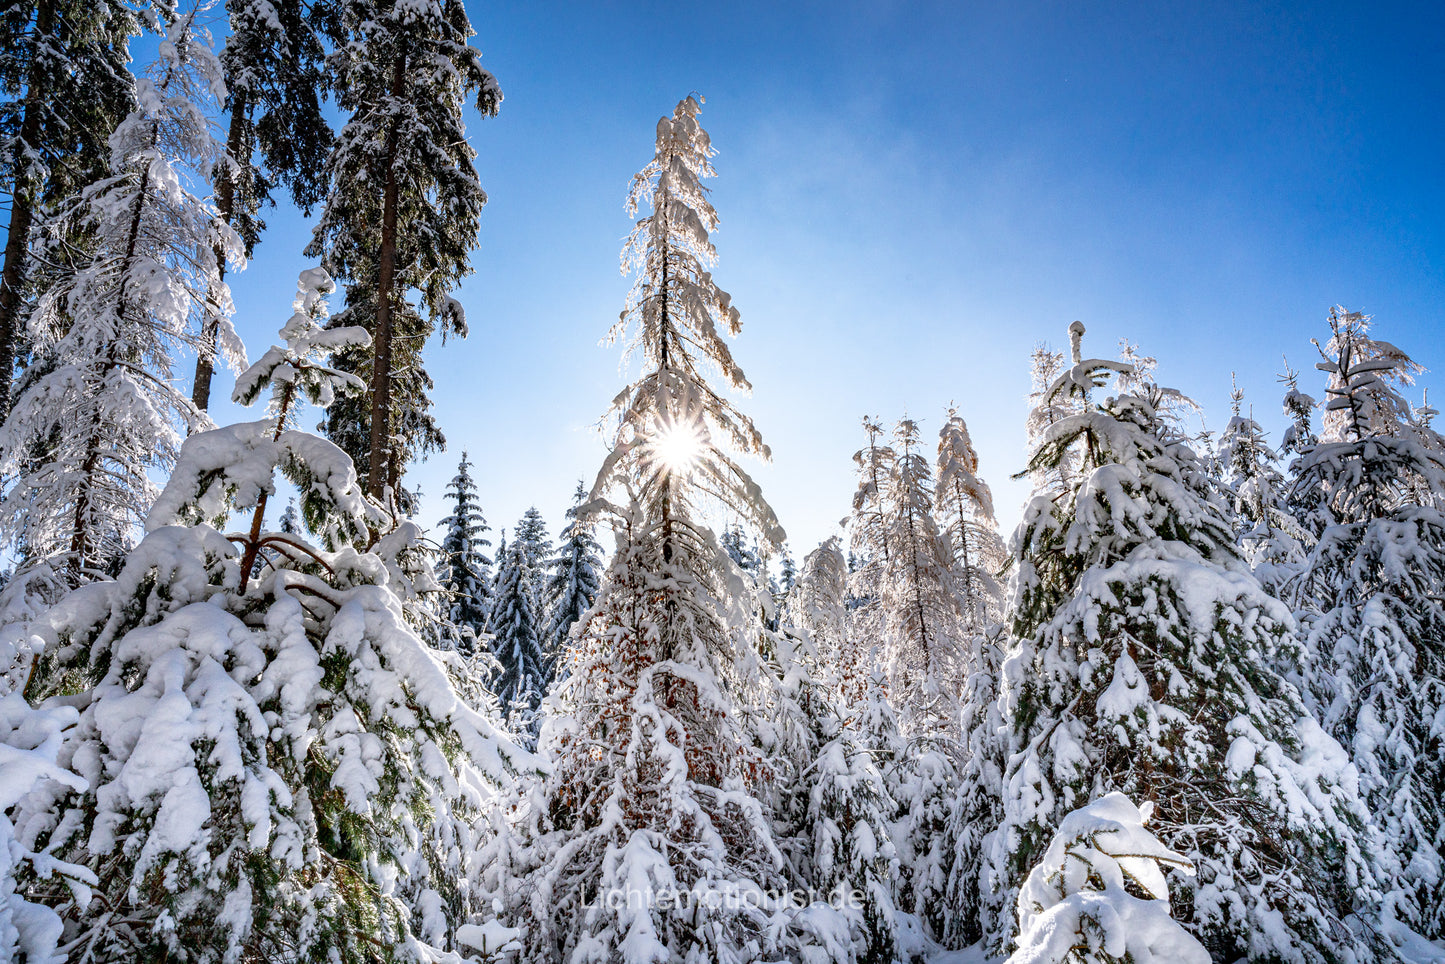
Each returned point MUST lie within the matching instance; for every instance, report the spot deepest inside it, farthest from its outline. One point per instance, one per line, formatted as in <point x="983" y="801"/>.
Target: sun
<point x="677" y="447"/>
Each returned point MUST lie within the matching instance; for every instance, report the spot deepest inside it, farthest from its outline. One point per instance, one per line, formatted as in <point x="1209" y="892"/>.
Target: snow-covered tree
<point x="656" y="846"/>
<point x="290" y="522"/>
<point x="965" y="514"/>
<point x="402" y="213"/>
<point x="63" y="72"/>
<point x="1373" y="593"/>
<point x="1273" y="542"/>
<point x="918" y="597"/>
<point x="977" y="805"/>
<point x="275" y="767"/>
<point x="105" y="413"/>
<point x="875" y="465"/>
<point x="575" y="579"/>
<point x="831" y="807"/>
<point x="272" y="68"/>
<point x="735" y="543"/>
<point x="463" y="571"/>
<point x="818" y="606"/>
<point x="787" y="570"/>
<point x="1144" y="664"/>
<point x="517" y="642"/>
<point x="30" y="742"/>
<point x="531" y="533"/>
<point x="1099" y="895"/>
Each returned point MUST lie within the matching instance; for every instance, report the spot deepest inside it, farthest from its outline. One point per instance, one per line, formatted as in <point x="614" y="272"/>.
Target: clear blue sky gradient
<point x="912" y="195"/>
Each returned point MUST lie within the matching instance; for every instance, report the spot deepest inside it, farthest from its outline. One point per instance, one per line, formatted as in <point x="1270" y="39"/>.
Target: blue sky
<point x="912" y="195"/>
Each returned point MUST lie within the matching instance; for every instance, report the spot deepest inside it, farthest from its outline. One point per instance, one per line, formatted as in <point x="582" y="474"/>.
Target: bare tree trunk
<point x="378" y="459"/>
<point x="225" y="205"/>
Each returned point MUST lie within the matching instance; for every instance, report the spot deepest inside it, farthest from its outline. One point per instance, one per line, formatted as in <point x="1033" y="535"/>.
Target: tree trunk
<point x="225" y="205"/>
<point x="378" y="459"/>
<point x="22" y="216"/>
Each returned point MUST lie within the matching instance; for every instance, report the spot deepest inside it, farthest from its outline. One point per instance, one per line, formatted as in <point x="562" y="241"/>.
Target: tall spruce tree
<point x="531" y="533"/>
<point x="401" y="215"/>
<point x="517" y="643"/>
<point x="1143" y="665"/>
<point x="922" y="643"/>
<point x="63" y="71"/>
<point x="272" y="65"/>
<point x="1373" y="595"/>
<point x="965" y="511"/>
<point x="572" y="587"/>
<point x="464" y="568"/>
<point x="831" y="805"/>
<point x="1272" y="541"/>
<point x="653" y="784"/>
<point x="105" y="411"/>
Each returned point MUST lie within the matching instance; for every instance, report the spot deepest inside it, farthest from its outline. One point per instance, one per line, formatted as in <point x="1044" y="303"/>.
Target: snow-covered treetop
<point x="1365" y="378"/>
<point x="294" y="364"/>
<point x="233" y="468"/>
<point x="1373" y="454"/>
<point x="958" y="467"/>
<point x="1140" y="483"/>
<point x="875" y="466"/>
<point x="674" y="426"/>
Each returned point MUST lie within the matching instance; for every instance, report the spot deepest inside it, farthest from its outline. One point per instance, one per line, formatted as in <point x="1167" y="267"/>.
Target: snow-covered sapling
<point x="1099" y="895"/>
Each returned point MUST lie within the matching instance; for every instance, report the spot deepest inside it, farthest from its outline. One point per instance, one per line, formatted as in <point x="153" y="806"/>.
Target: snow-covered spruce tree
<point x="1143" y="664"/>
<point x="105" y="413"/>
<point x="402" y="213"/>
<point x="30" y="740"/>
<point x="656" y="847"/>
<point x="1081" y="904"/>
<point x="965" y="514"/>
<point x="517" y="643"/>
<point x="290" y="521"/>
<point x="575" y="579"/>
<point x="867" y="537"/>
<point x="921" y="646"/>
<point x="272" y="67"/>
<point x="787" y="571"/>
<point x="63" y="70"/>
<point x="918" y="595"/>
<point x="1272" y="541"/>
<point x="531" y="533"/>
<point x="875" y="465"/>
<point x="1373" y="595"/>
<point x="278" y="768"/>
<point x="831" y="809"/>
<point x="976" y="808"/>
<point x="463" y="571"/>
<point x="818" y="606"/>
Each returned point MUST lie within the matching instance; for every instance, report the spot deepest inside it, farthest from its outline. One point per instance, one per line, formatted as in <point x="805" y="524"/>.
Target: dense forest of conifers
<point x="1191" y="710"/>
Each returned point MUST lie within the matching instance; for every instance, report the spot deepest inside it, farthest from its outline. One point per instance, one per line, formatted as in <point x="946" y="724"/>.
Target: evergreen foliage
<point x="85" y="435"/>
<point x="1373" y="593"/>
<point x="965" y="512"/>
<point x="272" y="66"/>
<point x="401" y="215"/>
<point x="273" y="767"/>
<point x="63" y="71"/>
<point x="575" y="580"/>
<point x="652" y="795"/>
<point x="464" y="568"/>
<point x="1144" y="665"/>
<point x="517" y="643"/>
<point x="531" y="533"/>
